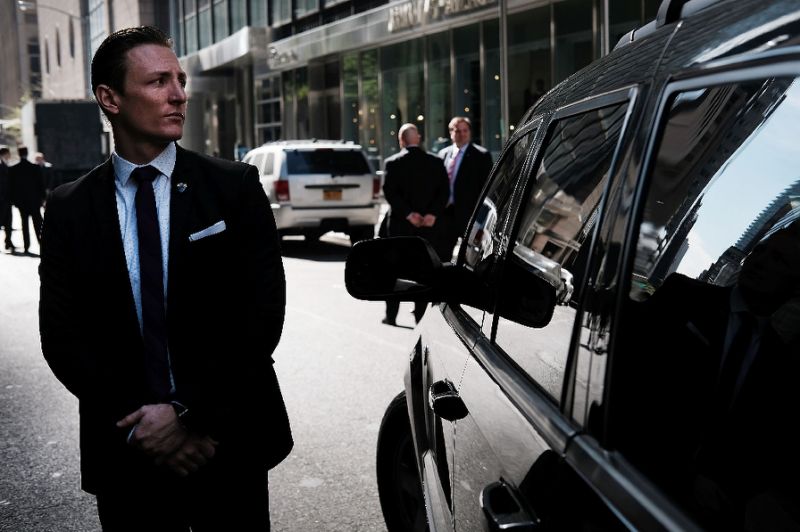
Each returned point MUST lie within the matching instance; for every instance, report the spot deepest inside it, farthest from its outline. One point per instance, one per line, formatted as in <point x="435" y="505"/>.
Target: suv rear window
<point x="327" y="161"/>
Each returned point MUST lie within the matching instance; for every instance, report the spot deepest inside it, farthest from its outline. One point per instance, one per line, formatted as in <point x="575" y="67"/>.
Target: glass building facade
<point x="347" y="70"/>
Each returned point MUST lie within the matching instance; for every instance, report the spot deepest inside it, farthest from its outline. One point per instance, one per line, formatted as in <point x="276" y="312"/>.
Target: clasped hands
<point x="418" y="220"/>
<point x="157" y="432"/>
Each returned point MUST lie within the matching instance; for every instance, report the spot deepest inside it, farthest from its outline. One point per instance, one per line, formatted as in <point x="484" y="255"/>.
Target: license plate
<point x="332" y="194"/>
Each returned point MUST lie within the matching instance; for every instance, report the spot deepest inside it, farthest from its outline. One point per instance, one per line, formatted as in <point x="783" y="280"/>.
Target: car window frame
<point x="549" y="418"/>
<point x="535" y="125"/>
<point x="625" y="95"/>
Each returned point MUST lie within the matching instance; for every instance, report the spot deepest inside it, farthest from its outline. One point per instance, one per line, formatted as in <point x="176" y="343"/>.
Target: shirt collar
<point x="164" y="163"/>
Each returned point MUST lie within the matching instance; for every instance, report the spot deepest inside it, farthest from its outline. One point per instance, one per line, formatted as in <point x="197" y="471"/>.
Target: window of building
<point x="221" y="27"/>
<point x="71" y="38"/>
<point x="369" y="115"/>
<point x="258" y="12"/>
<point x="467" y="90"/>
<point x="281" y="11"/>
<point x="574" y="47"/>
<point x="492" y="89"/>
<point x="403" y="91"/>
<point x="97" y="25"/>
<point x="58" y="48"/>
<point x="46" y="57"/>
<point x="528" y="60"/>
<point x="190" y="7"/>
<point x="204" y="30"/>
<point x="268" y="108"/>
<point x="305" y="7"/>
<point x="350" y="109"/>
<point x="549" y="251"/>
<point x="439" y="100"/>
<point x="324" y="100"/>
<point x="713" y="309"/>
<point x="238" y="15"/>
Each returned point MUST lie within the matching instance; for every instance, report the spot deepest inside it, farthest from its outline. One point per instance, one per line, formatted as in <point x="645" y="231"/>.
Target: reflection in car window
<point x="559" y="214"/>
<point x="483" y="240"/>
<point x="706" y="360"/>
<point x="483" y="235"/>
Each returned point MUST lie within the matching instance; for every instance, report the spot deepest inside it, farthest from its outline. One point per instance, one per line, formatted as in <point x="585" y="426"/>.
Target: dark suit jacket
<point x="4" y="191"/>
<point x="26" y="185"/>
<point x="476" y="164"/>
<point x="225" y="312"/>
<point x="415" y="182"/>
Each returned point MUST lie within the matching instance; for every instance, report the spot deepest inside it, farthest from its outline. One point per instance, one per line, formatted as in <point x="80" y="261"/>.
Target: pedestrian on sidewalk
<point x="162" y="301"/>
<point x="5" y="196"/>
<point x="27" y="193"/>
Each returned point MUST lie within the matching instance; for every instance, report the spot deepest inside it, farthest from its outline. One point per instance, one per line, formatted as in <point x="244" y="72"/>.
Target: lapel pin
<point x="182" y="186"/>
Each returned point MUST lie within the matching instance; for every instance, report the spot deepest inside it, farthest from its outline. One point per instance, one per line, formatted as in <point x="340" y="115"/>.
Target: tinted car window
<point x="558" y="214"/>
<point x="708" y="342"/>
<point x="326" y="161"/>
<point x="483" y="240"/>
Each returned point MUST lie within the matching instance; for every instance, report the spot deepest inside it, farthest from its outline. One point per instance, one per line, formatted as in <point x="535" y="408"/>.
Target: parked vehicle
<point x="317" y="186"/>
<point x="616" y="345"/>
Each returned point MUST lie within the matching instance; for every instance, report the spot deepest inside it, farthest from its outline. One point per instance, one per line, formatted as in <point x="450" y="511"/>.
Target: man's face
<point x="460" y="133"/>
<point x="152" y="108"/>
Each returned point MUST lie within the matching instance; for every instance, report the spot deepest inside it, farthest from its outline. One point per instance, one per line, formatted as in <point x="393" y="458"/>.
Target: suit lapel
<point x="105" y="207"/>
<point x="180" y="209"/>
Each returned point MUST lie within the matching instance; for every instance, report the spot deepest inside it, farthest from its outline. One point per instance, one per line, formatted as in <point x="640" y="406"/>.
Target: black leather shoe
<point x="387" y="321"/>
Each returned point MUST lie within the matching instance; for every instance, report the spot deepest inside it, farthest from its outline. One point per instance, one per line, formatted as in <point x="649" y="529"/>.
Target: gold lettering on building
<point x="415" y="12"/>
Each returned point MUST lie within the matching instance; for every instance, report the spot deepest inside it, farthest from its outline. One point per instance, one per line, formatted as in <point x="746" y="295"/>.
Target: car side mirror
<point x="529" y="292"/>
<point x="393" y="269"/>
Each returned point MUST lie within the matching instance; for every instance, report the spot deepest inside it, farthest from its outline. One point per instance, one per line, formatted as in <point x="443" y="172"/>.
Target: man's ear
<point x="107" y="98"/>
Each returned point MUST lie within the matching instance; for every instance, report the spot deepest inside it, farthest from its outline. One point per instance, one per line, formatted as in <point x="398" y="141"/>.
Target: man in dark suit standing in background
<point x="162" y="300"/>
<point x="27" y="193"/>
<point x="468" y="166"/>
<point x="416" y="189"/>
<point x="5" y="196"/>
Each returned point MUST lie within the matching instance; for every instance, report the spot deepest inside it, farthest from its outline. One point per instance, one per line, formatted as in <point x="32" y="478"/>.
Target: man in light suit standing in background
<point x="468" y="166"/>
<point x="162" y="300"/>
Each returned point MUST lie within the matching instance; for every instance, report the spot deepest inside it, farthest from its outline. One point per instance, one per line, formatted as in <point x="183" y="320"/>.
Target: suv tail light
<point x="376" y="188"/>
<point x="282" y="190"/>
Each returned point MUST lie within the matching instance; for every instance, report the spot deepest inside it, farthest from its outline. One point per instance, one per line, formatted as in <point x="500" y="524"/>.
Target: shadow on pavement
<point x="326" y="250"/>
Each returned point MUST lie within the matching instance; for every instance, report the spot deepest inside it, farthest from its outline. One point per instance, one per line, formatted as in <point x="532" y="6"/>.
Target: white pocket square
<point x="208" y="231"/>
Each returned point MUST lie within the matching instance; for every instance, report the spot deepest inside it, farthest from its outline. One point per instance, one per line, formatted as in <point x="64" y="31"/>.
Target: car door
<point x="449" y="332"/>
<point x="509" y="471"/>
<point x="714" y="245"/>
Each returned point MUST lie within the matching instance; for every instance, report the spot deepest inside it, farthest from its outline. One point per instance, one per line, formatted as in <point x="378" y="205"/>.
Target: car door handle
<point x="445" y="401"/>
<point x="503" y="510"/>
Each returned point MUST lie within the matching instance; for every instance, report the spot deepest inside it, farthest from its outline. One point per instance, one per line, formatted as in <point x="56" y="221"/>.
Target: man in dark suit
<point x="27" y="193"/>
<point x="5" y="196"/>
<point x="468" y="166"/>
<point x="162" y="300"/>
<point x="417" y="190"/>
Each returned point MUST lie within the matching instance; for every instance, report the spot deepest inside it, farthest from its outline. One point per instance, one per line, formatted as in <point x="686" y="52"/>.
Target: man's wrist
<point x="182" y="412"/>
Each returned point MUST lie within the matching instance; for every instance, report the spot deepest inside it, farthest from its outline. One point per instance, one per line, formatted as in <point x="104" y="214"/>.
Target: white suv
<point x="316" y="186"/>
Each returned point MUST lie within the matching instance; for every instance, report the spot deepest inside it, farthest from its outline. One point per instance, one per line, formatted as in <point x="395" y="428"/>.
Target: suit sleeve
<point x="393" y="191"/>
<point x="60" y="326"/>
<point x="263" y="267"/>
<point x="442" y="188"/>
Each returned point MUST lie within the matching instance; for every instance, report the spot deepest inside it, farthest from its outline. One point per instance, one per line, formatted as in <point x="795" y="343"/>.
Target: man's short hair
<point x="22" y="151"/>
<point x="456" y="120"/>
<point x="109" y="64"/>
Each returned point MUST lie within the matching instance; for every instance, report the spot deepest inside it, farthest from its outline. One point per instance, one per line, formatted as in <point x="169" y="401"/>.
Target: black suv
<point x="617" y="344"/>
